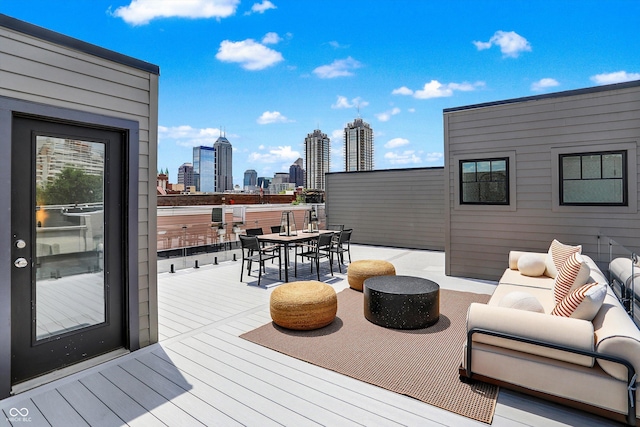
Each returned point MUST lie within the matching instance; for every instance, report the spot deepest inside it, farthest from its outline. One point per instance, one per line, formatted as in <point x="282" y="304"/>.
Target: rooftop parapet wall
<point x="223" y="199"/>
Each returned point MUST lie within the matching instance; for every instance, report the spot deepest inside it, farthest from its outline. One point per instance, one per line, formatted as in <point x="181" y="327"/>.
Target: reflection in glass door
<point x="69" y="235"/>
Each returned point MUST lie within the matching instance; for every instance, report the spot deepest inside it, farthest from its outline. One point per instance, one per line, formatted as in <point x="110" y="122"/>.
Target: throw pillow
<point x="521" y="301"/>
<point x="582" y="303"/>
<point x="557" y="255"/>
<point x="531" y="265"/>
<point x="572" y="274"/>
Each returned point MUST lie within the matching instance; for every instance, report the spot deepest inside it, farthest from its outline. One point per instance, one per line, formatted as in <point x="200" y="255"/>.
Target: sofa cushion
<point x="571" y="275"/>
<point x="557" y="255"/>
<point x="531" y="265"/>
<point x="582" y="303"/>
<point x="513" y="277"/>
<point x="616" y="335"/>
<point x="521" y="301"/>
<point x="544" y="296"/>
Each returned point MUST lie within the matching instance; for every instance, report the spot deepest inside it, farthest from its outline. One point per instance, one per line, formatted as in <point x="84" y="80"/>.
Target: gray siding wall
<point x="32" y="69"/>
<point x="532" y="133"/>
<point x="401" y="208"/>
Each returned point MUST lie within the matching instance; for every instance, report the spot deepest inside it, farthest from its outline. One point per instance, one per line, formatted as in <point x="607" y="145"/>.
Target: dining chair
<point x="275" y="228"/>
<point x="340" y="245"/>
<point x="254" y="231"/>
<point x="318" y="249"/>
<point x="253" y="252"/>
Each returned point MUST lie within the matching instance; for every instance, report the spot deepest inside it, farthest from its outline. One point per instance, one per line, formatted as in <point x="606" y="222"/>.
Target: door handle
<point x="21" y="263"/>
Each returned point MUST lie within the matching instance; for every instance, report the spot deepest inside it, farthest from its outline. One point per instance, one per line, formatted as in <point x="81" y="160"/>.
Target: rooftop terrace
<point x="202" y="373"/>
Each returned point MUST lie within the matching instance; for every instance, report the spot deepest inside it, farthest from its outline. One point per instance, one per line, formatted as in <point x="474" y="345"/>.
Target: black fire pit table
<point x="401" y="302"/>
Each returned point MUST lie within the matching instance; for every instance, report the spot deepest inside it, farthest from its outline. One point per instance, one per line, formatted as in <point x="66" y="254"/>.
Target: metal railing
<point x="187" y="237"/>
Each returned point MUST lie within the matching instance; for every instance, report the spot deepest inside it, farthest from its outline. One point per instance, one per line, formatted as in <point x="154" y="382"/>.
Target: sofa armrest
<point x="555" y="330"/>
<point x="514" y="255"/>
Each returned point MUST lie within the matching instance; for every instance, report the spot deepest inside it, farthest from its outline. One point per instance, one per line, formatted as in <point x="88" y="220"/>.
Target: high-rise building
<point x="185" y="175"/>
<point x="316" y="150"/>
<point x="223" y="165"/>
<point x="358" y="146"/>
<point x="296" y="173"/>
<point x="203" y="169"/>
<point x="250" y="180"/>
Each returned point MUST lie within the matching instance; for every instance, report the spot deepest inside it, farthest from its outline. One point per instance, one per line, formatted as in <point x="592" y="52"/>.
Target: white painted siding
<point x="402" y="208"/>
<point x="534" y="131"/>
<point x="32" y="69"/>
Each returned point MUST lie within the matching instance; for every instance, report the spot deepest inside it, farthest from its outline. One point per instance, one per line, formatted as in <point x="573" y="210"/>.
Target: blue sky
<point x="268" y="72"/>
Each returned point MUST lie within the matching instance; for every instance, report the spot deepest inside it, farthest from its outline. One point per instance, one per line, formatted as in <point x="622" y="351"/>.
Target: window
<point x="594" y="179"/>
<point x="484" y="182"/>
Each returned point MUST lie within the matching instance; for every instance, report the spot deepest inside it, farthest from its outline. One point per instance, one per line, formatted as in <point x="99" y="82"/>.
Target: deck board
<point x="203" y="373"/>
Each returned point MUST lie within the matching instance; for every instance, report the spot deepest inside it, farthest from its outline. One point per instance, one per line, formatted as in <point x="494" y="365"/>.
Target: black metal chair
<point x="275" y="228"/>
<point x="319" y="248"/>
<point x="251" y="251"/>
<point x="342" y="244"/>
<point x="254" y="232"/>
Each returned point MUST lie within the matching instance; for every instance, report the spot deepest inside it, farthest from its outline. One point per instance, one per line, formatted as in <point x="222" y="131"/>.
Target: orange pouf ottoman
<point x="361" y="270"/>
<point x="303" y="305"/>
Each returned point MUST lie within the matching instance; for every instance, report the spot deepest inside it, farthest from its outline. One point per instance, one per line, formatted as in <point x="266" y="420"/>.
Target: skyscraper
<point x="223" y="165"/>
<point x="316" y="150"/>
<point x="203" y="169"/>
<point x="358" y="146"/>
<point x="296" y="173"/>
<point x="250" y="180"/>
<point x="185" y="175"/>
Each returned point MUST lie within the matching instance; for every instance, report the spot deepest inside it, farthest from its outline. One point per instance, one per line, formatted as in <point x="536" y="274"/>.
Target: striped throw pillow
<point x="572" y="274"/>
<point x="557" y="255"/>
<point x="582" y="303"/>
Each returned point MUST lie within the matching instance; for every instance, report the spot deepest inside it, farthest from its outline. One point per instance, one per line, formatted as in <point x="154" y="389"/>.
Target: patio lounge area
<point x="202" y="373"/>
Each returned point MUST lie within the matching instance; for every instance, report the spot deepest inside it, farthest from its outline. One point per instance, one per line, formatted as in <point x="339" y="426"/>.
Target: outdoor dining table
<point x="285" y="241"/>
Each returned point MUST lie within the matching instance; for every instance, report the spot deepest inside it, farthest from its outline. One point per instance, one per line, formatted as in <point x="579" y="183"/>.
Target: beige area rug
<point x="421" y="363"/>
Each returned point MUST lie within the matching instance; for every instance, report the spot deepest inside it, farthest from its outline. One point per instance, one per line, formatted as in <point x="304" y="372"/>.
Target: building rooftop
<point x="202" y="373"/>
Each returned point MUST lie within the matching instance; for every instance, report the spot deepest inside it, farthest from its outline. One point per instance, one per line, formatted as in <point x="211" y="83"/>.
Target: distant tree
<point x="71" y="186"/>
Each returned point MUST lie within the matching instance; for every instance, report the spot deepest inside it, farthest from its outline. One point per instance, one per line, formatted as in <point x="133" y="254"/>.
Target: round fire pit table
<point x="401" y="302"/>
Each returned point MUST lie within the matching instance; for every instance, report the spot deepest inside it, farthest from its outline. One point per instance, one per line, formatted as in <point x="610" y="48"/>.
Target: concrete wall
<point x="398" y="207"/>
<point x="532" y="133"/>
<point x="49" y="74"/>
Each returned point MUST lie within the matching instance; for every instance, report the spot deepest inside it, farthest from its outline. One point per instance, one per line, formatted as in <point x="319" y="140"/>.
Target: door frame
<point x="11" y="106"/>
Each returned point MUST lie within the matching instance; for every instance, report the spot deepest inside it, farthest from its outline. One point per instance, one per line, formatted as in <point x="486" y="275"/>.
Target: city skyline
<point x="261" y="73"/>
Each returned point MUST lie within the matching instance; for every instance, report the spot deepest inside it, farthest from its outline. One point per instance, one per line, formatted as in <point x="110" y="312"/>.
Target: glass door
<point x="67" y="282"/>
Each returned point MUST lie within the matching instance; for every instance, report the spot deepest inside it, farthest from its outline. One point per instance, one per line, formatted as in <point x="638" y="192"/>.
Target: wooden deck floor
<point x="202" y="373"/>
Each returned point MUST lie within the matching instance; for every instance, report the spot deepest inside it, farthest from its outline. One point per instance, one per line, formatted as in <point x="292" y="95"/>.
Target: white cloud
<point x="396" y="142"/>
<point x="435" y="89"/>
<point x="269" y="117"/>
<point x="249" y="54"/>
<point x="334" y="44"/>
<point x="342" y="102"/>
<point x="338" y="68"/>
<point x="403" y="158"/>
<point x="544" y="84"/>
<point x="386" y="115"/>
<point x="337" y="135"/>
<point x="616" y="77"/>
<point x="411" y="110"/>
<point x="402" y="91"/>
<point x="511" y="43"/>
<point x="140" y="12"/>
<point x="261" y="7"/>
<point x="275" y="155"/>
<point x="271" y="38"/>
<point x="188" y="136"/>
<point x="434" y="157"/>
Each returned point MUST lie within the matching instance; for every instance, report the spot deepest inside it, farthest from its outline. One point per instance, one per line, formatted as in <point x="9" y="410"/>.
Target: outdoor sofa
<point x="522" y="340"/>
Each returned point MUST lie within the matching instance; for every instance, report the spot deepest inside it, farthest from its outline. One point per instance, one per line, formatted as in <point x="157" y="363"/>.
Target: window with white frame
<point x="594" y="179"/>
<point x="484" y="181"/>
